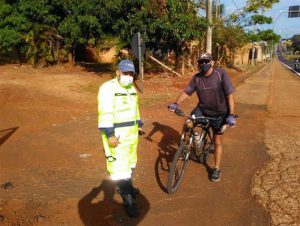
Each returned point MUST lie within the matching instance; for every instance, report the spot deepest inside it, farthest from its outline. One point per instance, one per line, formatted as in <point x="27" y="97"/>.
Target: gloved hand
<point x="173" y="107"/>
<point x="230" y="120"/>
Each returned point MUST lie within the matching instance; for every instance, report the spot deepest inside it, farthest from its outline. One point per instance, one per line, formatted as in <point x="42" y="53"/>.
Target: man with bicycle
<point x="215" y="93"/>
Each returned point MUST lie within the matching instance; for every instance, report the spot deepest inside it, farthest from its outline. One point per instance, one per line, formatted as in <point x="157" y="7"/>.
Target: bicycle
<point x="196" y="143"/>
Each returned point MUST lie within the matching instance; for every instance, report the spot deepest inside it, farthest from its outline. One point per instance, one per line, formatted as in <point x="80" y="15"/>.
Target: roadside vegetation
<point x="49" y="32"/>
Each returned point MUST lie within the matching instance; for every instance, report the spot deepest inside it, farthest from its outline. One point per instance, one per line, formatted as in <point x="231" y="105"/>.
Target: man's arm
<point x="185" y="93"/>
<point x="230" y="120"/>
<point x="181" y="98"/>
<point x="231" y="103"/>
<point x="105" y="115"/>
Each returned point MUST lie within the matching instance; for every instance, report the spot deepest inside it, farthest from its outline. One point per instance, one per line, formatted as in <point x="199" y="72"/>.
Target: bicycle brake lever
<point x="178" y="112"/>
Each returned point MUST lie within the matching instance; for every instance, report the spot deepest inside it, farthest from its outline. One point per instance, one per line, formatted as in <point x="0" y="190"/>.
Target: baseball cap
<point x="205" y="56"/>
<point x="126" y="66"/>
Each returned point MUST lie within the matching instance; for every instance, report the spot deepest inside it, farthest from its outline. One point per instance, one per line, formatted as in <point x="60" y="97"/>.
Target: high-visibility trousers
<point x="124" y="155"/>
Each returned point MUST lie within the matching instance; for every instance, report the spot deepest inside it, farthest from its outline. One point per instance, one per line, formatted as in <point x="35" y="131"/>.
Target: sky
<point x="284" y="26"/>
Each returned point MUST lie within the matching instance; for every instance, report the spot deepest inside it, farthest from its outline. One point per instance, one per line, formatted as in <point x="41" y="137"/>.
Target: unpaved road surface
<point x="53" y="168"/>
<point x="277" y="185"/>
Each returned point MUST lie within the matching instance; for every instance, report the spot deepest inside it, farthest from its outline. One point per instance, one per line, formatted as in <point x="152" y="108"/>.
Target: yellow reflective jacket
<point x="117" y="105"/>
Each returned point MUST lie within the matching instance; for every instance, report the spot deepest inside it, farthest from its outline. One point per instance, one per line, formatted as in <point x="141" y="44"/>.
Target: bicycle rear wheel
<point x="177" y="168"/>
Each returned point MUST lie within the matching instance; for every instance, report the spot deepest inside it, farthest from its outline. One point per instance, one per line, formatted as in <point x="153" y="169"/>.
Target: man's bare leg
<point x="216" y="173"/>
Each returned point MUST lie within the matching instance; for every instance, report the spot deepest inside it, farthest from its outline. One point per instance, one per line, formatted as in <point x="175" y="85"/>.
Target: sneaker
<point x="215" y="176"/>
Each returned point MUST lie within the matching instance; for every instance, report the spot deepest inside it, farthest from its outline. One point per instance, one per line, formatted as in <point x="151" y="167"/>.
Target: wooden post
<point x="165" y="66"/>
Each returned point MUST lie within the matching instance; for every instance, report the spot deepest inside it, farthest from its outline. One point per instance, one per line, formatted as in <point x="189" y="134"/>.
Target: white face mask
<point x="126" y="80"/>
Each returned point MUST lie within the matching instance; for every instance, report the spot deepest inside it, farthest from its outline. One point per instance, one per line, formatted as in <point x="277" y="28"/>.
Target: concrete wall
<point x="107" y="56"/>
<point x="242" y="57"/>
<point x="111" y="55"/>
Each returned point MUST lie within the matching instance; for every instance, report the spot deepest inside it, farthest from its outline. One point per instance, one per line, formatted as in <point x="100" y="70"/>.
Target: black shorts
<point x="216" y="124"/>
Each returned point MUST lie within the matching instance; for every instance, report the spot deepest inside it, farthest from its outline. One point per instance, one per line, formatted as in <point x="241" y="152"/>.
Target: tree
<point x="29" y="28"/>
<point x="42" y="28"/>
<point x="268" y="39"/>
<point x="296" y="43"/>
<point x="269" y="36"/>
<point x="12" y="26"/>
<point x="228" y="40"/>
<point x="41" y="39"/>
<point x="256" y="6"/>
<point x="168" y="25"/>
<point x="259" y="5"/>
<point x="43" y="45"/>
<point x="176" y="26"/>
<point x="79" y="25"/>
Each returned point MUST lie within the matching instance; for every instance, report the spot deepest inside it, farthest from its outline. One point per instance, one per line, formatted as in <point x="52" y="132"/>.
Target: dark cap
<point x="126" y="66"/>
<point x="205" y="56"/>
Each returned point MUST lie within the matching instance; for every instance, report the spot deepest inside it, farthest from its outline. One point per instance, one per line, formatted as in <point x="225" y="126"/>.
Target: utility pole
<point x="253" y="48"/>
<point x="218" y="9"/>
<point x="216" y="6"/>
<point x="209" y="28"/>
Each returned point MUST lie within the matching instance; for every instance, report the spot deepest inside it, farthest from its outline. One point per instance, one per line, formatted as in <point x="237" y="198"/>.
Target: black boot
<point x="126" y="192"/>
<point x="130" y="207"/>
<point x="135" y="191"/>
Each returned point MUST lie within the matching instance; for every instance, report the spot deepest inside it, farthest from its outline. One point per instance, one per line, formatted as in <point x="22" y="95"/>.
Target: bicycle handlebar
<point x="179" y="112"/>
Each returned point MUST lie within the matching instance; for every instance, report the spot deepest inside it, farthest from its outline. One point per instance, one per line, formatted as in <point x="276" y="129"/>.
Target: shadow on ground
<point x="167" y="147"/>
<point x="108" y="211"/>
<point x="7" y="133"/>
<point x="97" y="67"/>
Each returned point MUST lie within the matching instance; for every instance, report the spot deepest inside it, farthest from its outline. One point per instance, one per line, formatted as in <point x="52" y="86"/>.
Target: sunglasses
<point x="203" y="61"/>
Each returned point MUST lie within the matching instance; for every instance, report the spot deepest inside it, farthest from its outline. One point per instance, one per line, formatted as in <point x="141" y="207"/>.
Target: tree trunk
<point x="242" y="56"/>
<point x="209" y="27"/>
<point x="176" y="60"/>
<point x="182" y="66"/>
<point x="57" y="53"/>
<point x="19" y="55"/>
<point x="71" y="57"/>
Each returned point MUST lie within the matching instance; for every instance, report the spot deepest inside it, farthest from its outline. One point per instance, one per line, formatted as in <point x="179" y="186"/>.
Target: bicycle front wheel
<point x="177" y="168"/>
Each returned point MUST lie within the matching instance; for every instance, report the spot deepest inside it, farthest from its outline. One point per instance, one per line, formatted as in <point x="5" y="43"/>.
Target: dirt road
<point x="276" y="186"/>
<point x="52" y="163"/>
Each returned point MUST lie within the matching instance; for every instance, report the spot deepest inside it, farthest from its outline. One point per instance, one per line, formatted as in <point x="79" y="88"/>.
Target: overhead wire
<point x="235" y="5"/>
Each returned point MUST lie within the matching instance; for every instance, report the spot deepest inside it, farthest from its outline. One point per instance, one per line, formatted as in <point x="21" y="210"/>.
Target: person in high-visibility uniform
<point x="119" y="122"/>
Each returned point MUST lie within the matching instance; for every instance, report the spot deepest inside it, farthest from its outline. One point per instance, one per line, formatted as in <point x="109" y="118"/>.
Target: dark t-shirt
<point x="212" y="91"/>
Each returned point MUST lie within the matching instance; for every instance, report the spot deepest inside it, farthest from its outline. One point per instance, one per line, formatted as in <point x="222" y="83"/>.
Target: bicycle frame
<point x="189" y="145"/>
<point x="201" y="122"/>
